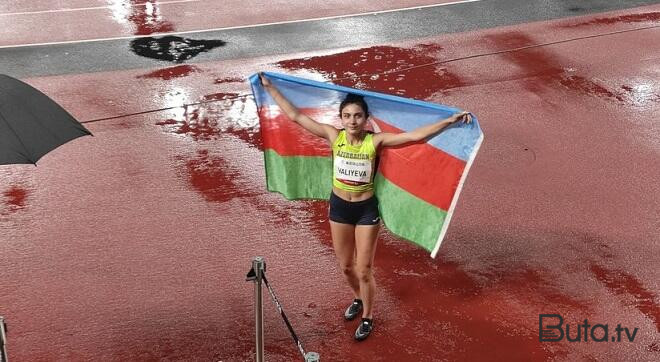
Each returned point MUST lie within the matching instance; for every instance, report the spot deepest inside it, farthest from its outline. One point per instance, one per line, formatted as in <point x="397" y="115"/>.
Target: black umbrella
<point x="31" y="124"/>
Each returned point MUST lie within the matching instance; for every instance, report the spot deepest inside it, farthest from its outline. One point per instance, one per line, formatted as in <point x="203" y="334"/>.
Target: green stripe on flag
<point x="408" y="216"/>
<point x="299" y="177"/>
<point x="310" y="177"/>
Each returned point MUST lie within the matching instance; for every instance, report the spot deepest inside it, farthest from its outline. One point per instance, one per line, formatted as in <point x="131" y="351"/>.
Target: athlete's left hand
<point x="465" y="117"/>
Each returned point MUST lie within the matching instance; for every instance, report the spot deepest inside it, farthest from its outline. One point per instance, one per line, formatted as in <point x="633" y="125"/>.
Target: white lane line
<point x="238" y="27"/>
<point x="107" y="7"/>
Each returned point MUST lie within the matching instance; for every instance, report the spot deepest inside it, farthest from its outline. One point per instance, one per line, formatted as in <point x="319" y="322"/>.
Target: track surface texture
<point x="134" y="244"/>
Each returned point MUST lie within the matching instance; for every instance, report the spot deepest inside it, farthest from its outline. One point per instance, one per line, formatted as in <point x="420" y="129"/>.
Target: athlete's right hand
<point x="264" y="81"/>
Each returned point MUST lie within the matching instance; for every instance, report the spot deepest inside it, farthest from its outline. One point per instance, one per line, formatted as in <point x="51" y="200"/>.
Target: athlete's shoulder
<point x="376" y="139"/>
<point x="340" y="136"/>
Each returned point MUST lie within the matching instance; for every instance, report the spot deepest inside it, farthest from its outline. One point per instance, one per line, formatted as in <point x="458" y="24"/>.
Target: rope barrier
<point x="284" y="317"/>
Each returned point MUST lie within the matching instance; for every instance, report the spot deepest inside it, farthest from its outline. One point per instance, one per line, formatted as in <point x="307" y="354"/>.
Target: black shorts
<point x="355" y="213"/>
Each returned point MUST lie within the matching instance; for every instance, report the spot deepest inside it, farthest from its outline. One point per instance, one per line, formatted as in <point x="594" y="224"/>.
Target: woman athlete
<point x="354" y="216"/>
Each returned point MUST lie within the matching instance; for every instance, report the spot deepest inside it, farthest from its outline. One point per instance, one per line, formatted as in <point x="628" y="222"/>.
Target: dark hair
<point x="354" y="99"/>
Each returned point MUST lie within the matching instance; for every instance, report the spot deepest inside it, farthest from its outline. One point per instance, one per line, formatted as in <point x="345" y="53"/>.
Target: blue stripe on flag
<point x="459" y="140"/>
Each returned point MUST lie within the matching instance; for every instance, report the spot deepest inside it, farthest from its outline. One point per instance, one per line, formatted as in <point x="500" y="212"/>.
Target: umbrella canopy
<point x="31" y="124"/>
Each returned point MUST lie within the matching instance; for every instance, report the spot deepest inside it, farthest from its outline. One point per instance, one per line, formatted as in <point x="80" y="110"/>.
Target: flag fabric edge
<point x="454" y="200"/>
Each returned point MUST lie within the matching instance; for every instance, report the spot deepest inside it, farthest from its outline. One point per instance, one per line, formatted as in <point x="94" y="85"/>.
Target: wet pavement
<point x="134" y="244"/>
<point x="75" y="20"/>
<point x="27" y="57"/>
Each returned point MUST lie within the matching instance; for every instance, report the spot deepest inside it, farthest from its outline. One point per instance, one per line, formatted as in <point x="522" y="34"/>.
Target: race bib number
<point x="355" y="171"/>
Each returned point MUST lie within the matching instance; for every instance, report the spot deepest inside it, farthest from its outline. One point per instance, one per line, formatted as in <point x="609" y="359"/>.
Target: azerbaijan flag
<point x="417" y="185"/>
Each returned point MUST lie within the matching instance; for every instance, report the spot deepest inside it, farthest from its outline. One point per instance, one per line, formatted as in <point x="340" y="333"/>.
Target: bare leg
<point x="343" y="241"/>
<point x="365" y="244"/>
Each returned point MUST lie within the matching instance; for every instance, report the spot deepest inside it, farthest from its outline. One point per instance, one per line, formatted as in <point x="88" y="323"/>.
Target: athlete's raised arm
<point x="322" y="130"/>
<point x="395" y="139"/>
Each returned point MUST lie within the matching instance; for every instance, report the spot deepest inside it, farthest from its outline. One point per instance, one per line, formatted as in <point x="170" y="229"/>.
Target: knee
<point x="348" y="270"/>
<point x="365" y="273"/>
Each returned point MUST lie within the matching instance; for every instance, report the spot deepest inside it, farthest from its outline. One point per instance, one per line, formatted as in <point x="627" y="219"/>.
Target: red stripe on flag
<point x="287" y="138"/>
<point x="421" y="169"/>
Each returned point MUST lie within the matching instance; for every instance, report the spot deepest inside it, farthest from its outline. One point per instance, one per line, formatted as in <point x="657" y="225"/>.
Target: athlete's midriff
<point x="352" y="196"/>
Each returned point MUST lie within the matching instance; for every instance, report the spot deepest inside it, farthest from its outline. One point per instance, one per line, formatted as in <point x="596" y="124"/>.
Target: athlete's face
<point x="353" y="119"/>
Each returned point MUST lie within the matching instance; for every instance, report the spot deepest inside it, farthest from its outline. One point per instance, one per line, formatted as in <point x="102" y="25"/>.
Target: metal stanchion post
<point x="259" y="265"/>
<point x="3" y="340"/>
<point x="258" y="275"/>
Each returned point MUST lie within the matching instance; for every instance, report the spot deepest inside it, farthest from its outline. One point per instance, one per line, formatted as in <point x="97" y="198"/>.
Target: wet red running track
<point x="73" y="20"/>
<point x="134" y="244"/>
